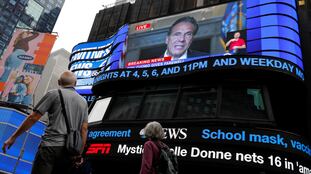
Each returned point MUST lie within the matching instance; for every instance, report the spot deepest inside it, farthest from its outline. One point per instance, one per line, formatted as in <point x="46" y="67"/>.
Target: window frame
<point x="179" y="89"/>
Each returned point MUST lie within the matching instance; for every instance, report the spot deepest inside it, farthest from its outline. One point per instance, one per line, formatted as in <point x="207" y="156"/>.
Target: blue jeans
<point x="27" y="100"/>
<point x="12" y="63"/>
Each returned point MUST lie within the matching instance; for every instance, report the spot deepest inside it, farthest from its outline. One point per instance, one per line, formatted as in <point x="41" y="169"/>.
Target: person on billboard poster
<point x="19" y="54"/>
<point x="236" y="44"/>
<point x="52" y="156"/>
<point x="16" y="59"/>
<point x="180" y="37"/>
<point x="27" y="100"/>
<point x="17" y="93"/>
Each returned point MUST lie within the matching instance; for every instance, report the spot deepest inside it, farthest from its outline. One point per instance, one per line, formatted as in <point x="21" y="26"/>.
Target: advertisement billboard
<point x="22" y="64"/>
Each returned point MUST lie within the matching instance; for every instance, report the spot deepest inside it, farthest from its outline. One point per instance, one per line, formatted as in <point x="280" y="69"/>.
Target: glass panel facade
<point x="195" y="104"/>
<point x="27" y="14"/>
<point x="158" y="106"/>
<point x="243" y="102"/>
<point x="34" y="10"/>
<point x="188" y="102"/>
<point x="125" y="107"/>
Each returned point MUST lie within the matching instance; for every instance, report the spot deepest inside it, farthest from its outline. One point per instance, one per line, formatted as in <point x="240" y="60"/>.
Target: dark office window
<point x="10" y="7"/>
<point x="19" y="9"/>
<point x="135" y="10"/>
<point x="158" y="106"/>
<point x="164" y="7"/>
<point x="155" y="8"/>
<point x="114" y="20"/>
<point x="2" y="44"/>
<point x="190" y="4"/>
<point x="211" y="2"/>
<point x="105" y="21"/>
<point x="198" y="103"/>
<point x="6" y="13"/>
<point x="24" y="2"/>
<point x="242" y="102"/>
<point x="176" y="5"/>
<point x="125" y="107"/>
<point x="124" y="12"/>
<point x="190" y="102"/>
<point x="144" y="10"/>
<point x="2" y="3"/>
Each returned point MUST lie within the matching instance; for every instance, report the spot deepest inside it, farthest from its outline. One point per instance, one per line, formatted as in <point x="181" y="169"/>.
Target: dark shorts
<point x="52" y="160"/>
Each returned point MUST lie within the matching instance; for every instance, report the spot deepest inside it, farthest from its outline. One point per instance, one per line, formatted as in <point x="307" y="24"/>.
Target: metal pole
<point x="21" y="152"/>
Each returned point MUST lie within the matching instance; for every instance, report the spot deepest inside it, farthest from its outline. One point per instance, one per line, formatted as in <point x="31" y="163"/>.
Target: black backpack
<point x="168" y="161"/>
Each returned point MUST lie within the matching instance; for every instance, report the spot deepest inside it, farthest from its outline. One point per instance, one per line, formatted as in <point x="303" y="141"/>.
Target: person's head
<point x="28" y="79"/>
<point x="154" y="130"/>
<point x="19" y="79"/>
<point x="180" y="36"/>
<point x="236" y="35"/>
<point x="20" y="36"/>
<point x="67" y="79"/>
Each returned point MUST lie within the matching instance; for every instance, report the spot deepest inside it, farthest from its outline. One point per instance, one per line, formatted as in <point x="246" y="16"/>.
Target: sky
<point x="75" y="21"/>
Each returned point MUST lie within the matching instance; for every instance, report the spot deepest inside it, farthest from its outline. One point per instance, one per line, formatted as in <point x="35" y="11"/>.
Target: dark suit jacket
<point x="193" y="53"/>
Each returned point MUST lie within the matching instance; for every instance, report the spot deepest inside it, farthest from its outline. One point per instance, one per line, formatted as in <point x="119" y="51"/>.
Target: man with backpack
<point x="52" y="156"/>
<point x="157" y="157"/>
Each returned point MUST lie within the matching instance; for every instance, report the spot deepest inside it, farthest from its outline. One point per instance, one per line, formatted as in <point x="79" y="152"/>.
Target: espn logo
<point x="98" y="149"/>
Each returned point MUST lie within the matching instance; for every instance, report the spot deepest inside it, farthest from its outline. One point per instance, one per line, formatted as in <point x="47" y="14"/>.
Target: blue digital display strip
<point x="7" y="163"/>
<point x="23" y="167"/>
<point x="269" y="20"/>
<point x="6" y="132"/>
<point x="88" y="58"/>
<point x="252" y="3"/>
<point x="283" y="55"/>
<point x="95" y="63"/>
<point x="16" y="118"/>
<point x="273" y="31"/>
<point x="31" y="143"/>
<point x="274" y="44"/>
<point x="27" y="143"/>
<point x="272" y="8"/>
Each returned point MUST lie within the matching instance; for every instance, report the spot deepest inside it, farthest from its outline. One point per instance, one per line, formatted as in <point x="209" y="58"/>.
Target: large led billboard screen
<point x="249" y="34"/>
<point x="87" y="59"/>
<point x="20" y="156"/>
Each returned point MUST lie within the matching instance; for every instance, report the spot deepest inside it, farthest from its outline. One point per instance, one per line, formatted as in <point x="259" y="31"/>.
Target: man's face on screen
<point x="180" y="39"/>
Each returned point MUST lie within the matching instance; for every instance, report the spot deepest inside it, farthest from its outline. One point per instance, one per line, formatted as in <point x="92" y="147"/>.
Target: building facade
<point x="56" y="65"/>
<point x="225" y="112"/>
<point x="39" y="15"/>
